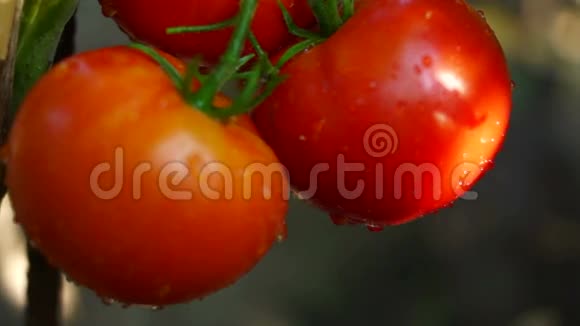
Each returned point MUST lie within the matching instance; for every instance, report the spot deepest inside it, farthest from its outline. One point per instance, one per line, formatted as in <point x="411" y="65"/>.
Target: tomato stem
<point x="174" y="75"/>
<point x="228" y="64"/>
<point x="296" y="49"/>
<point x="259" y="82"/>
<point x="348" y="9"/>
<point x="205" y="28"/>
<point x="334" y="15"/>
<point x="320" y="9"/>
<point x="330" y="14"/>
<point x="262" y="55"/>
<point x="292" y="27"/>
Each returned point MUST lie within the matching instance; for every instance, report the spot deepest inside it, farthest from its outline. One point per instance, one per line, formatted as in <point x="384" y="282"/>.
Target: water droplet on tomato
<point x="417" y="69"/>
<point x="513" y="84"/>
<point x="375" y="228"/>
<point x="486" y="165"/>
<point x="339" y="219"/>
<point x="481" y="13"/>
<point x="283" y="234"/>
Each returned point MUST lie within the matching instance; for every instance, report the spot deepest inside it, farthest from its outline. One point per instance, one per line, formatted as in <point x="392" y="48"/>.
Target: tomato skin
<point x="147" y="21"/>
<point x="428" y="76"/>
<point x="146" y="248"/>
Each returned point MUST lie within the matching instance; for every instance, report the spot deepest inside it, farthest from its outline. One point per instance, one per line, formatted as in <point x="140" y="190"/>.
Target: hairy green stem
<point x="228" y="64"/>
<point x="320" y="9"/>
<point x="171" y="71"/>
<point x="348" y="9"/>
<point x="334" y="15"/>
<point x="204" y="28"/>
<point x="291" y="25"/>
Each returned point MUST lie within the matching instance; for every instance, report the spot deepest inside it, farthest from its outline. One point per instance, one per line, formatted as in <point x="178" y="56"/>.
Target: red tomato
<point x="147" y="21"/>
<point x="133" y="193"/>
<point x="396" y="115"/>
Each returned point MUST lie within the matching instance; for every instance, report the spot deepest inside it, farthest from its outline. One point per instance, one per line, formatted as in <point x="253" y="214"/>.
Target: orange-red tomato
<point x="148" y="20"/>
<point x="133" y="193"/>
<point x="396" y="115"/>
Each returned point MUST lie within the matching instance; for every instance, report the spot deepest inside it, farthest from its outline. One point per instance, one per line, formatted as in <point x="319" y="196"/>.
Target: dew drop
<point x="283" y="234"/>
<point x="417" y="69"/>
<point x="375" y="228"/>
<point x="339" y="219"/>
<point x="486" y="165"/>
<point x="481" y="14"/>
<point x="427" y="61"/>
<point x="513" y="84"/>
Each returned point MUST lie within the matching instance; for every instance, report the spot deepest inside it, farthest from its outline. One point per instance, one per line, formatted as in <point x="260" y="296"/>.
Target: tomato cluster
<point x="136" y="184"/>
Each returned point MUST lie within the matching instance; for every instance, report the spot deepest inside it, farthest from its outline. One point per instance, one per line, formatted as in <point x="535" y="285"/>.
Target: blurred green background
<point x="512" y="257"/>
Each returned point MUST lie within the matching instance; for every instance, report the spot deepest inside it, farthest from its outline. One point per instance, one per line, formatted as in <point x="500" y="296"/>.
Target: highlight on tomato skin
<point x="147" y="20"/>
<point x="396" y="115"/>
<point x="104" y="167"/>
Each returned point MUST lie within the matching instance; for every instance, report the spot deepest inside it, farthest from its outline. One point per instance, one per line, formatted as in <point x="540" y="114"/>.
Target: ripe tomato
<point x="147" y="21"/>
<point x="133" y="193"/>
<point x="394" y="116"/>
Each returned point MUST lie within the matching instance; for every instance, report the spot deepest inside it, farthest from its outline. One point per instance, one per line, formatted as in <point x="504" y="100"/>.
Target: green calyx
<point x="331" y="14"/>
<point x="263" y="76"/>
<point x="228" y="68"/>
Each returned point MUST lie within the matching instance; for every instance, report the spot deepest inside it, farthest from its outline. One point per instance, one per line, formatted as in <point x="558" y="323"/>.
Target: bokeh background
<point x="511" y="258"/>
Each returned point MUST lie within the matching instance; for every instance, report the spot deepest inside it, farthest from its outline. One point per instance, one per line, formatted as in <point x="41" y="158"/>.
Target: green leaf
<point x="42" y="24"/>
